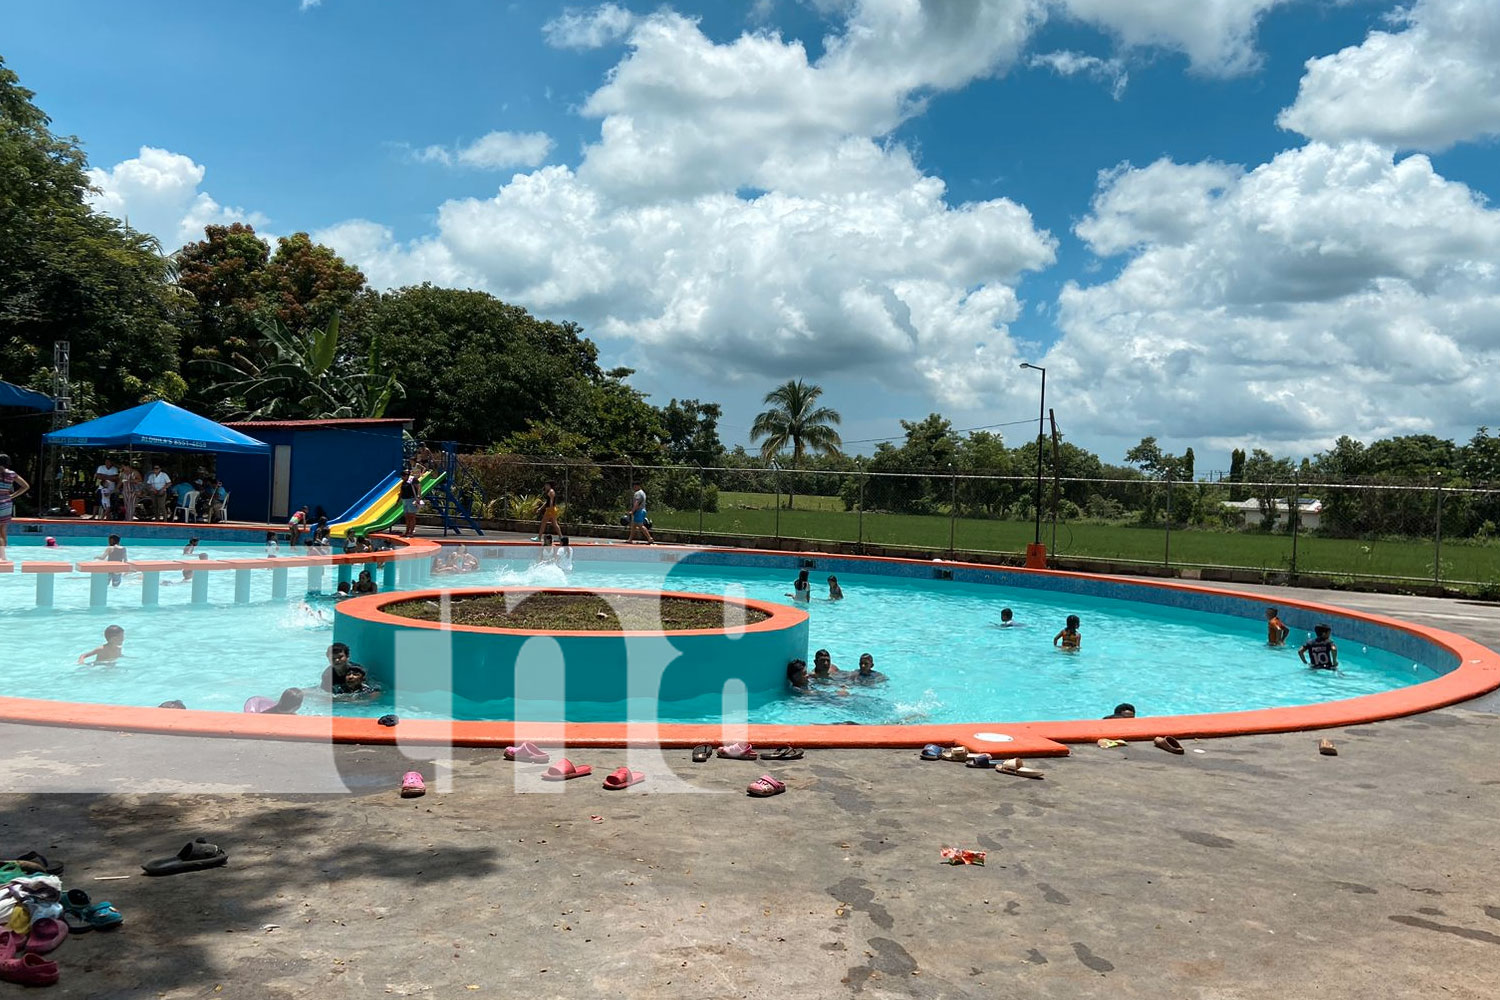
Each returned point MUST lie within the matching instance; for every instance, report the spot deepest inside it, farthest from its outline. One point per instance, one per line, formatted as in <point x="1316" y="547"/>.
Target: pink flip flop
<point x="738" y="751"/>
<point x="765" y="786"/>
<point x="46" y="933"/>
<point x="29" y="969"/>
<point x="527" y="753"/>
<point x="412" y="785"/>
<point x="11" y="944"/>
<point x="623" y="777"/>
<point x="566" y="770"/>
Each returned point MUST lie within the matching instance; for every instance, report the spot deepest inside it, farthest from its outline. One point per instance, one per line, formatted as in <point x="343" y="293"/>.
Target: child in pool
<point x="1276" y="632"/>
<point x="835" y="592"/>
<point x="1069" y="638"/>
<point x="114" y="640"/>
<point x="355" y="687"/>
<point x="802" y="589"/>
<point x="867" y="673"/>
<point x="824" y="669"/>
<point x="114" y="552"/>
<point x="271" y="545"/>
<point x="1007" y="619"/>
<point x="1320" y="653"/>
<point x="564" y="555"/>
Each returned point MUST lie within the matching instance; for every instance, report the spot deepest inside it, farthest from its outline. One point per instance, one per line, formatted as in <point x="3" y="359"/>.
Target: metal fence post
<point x="1294" y="511"/>
<point x="859" y="541"/>
<point x="776" y="482"/>
<point x="1166" y="559"/>
<point x="566" y="470"/>
<point x="702" y="489"/>
<point x="952" y="510"/>
<point x="1437" y="552"/>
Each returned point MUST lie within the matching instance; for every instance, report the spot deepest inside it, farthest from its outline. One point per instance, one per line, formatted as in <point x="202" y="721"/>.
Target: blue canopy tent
<point x="24" y="399"/>
<point x="158" y="426"/>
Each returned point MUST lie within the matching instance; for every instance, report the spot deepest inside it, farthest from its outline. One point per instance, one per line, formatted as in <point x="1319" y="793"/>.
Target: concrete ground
<point x="1256" y="868"/>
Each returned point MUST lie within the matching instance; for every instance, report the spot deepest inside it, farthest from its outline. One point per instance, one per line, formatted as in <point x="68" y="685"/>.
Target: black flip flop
<point x="702" y="752"/>
<point x="195" y="856"/>
<point x="32" y="861"/>
<point x="785" y="753"/>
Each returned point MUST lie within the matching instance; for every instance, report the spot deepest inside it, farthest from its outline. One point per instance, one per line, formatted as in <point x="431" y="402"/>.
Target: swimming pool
<point x="934" y="639"/>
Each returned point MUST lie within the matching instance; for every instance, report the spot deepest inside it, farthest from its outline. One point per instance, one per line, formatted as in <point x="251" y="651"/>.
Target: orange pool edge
<point x="1477" y="673"/>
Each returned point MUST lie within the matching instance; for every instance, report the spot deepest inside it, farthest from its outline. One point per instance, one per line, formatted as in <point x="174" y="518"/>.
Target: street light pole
<point x="1041" y="434"/>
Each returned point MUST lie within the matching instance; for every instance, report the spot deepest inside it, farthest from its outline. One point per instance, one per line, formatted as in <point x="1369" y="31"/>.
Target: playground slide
<point x="380" y="508"/>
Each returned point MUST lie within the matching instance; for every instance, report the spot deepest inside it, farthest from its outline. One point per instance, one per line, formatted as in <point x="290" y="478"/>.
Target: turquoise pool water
<point x="935" y="641"/>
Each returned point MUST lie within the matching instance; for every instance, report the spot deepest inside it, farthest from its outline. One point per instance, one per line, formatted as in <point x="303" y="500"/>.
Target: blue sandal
<point x="82" y="914"/>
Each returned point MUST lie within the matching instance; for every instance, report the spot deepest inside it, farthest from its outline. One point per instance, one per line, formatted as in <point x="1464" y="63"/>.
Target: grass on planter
<point x="554" y="612"/>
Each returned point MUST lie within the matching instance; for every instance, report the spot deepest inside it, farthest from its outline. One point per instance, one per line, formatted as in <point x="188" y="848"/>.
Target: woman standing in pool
<point x="11" y="486"/>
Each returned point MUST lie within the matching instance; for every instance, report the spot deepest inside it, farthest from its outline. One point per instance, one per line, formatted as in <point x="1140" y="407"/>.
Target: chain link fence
<point x="1405" y="532"/>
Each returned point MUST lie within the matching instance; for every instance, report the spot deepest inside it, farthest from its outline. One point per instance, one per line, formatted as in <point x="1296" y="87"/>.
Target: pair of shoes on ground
<point x="744" y="751"/>
<point x="21" y="958"/>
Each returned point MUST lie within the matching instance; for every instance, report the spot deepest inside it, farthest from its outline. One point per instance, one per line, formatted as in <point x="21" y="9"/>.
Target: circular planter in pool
<point x="750" y="647"/>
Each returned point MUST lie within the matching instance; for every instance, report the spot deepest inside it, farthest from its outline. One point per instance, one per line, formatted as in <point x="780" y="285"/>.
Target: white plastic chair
<point x="187" y="507"/>
<point x="219" y="511"/>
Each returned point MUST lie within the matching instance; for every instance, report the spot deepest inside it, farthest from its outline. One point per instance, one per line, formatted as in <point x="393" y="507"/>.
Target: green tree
<point x="1236" y="475"/>
<point x="224" y="276"/>
<point x="69" y="273"/>
<point x="692" y="432"/>
<point x="307" y="377"/>
<point x="796" y="421"/>
<point x="477" y="369"/>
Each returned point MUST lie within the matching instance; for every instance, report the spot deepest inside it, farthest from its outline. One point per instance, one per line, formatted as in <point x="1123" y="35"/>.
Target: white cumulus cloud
<point x="589" y="29"/>
<point x="157" y="191"/>
<point x="744" y="201"/>
<point x="1434" y="83"/>
<point x="1217" y="36"/>
<point x="494" y="151"/>
<point x="1333" y="290"/>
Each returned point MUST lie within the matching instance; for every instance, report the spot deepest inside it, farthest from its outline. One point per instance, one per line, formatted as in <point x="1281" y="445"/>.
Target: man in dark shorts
<point x="410" y="499"/>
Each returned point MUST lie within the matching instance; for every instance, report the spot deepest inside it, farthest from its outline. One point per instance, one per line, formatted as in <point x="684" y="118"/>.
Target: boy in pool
<point x="1007" y="619"/>
<point x="338" y="666"/>
<point x="835" y="592"/>
<point x="1276" y="631"/>
<point x="114" y="640"/>
<point x="1069" y="637"/>
<point x="114" y="552"/>
<point x="271" y="545"/>
<point x="796" y="677"/>
<point x="1320" y="653"/>
<point x="355" y="688"/>
<point x="1124" y="710"/>
<point x="564" y="555"/>
<point x="867" y="673"/>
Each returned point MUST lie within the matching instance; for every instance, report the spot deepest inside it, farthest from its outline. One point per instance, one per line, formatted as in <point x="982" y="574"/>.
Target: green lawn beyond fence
<point x="817" y="517"/>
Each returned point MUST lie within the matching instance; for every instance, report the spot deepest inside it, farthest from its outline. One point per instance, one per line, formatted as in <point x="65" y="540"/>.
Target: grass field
<point x="816" y="517"/>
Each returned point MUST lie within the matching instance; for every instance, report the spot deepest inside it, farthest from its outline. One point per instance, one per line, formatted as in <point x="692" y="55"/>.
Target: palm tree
<point x="306" y="377"/>
<point x="795" y="419"/>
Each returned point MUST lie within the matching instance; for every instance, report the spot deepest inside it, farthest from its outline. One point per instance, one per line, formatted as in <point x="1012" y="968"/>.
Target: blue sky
<point x="900" y="200"/>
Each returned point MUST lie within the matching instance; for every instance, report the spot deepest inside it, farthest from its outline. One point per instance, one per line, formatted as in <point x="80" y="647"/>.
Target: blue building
<point x="320" y="463"/>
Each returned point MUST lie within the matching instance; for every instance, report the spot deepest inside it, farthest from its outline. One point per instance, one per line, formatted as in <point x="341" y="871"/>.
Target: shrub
<point x="1104" y="508"/>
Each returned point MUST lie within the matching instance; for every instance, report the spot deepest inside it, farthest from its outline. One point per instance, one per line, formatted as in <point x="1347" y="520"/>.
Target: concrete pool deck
<point x="1254" y="869"/>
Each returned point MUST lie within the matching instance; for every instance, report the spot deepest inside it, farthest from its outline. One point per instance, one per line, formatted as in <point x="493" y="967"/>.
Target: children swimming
<point x="271" y="545"/>
<point x="1276" y="631"/>
<point x="835" y="592"/>
<point x="1007" y="619"/>
<point x="1069" y="638"/>
<point x="112" y="650"/>
<point x="355" y="687"/>
<point x="564" y="555"/>
<point x="1320" y="653"/>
